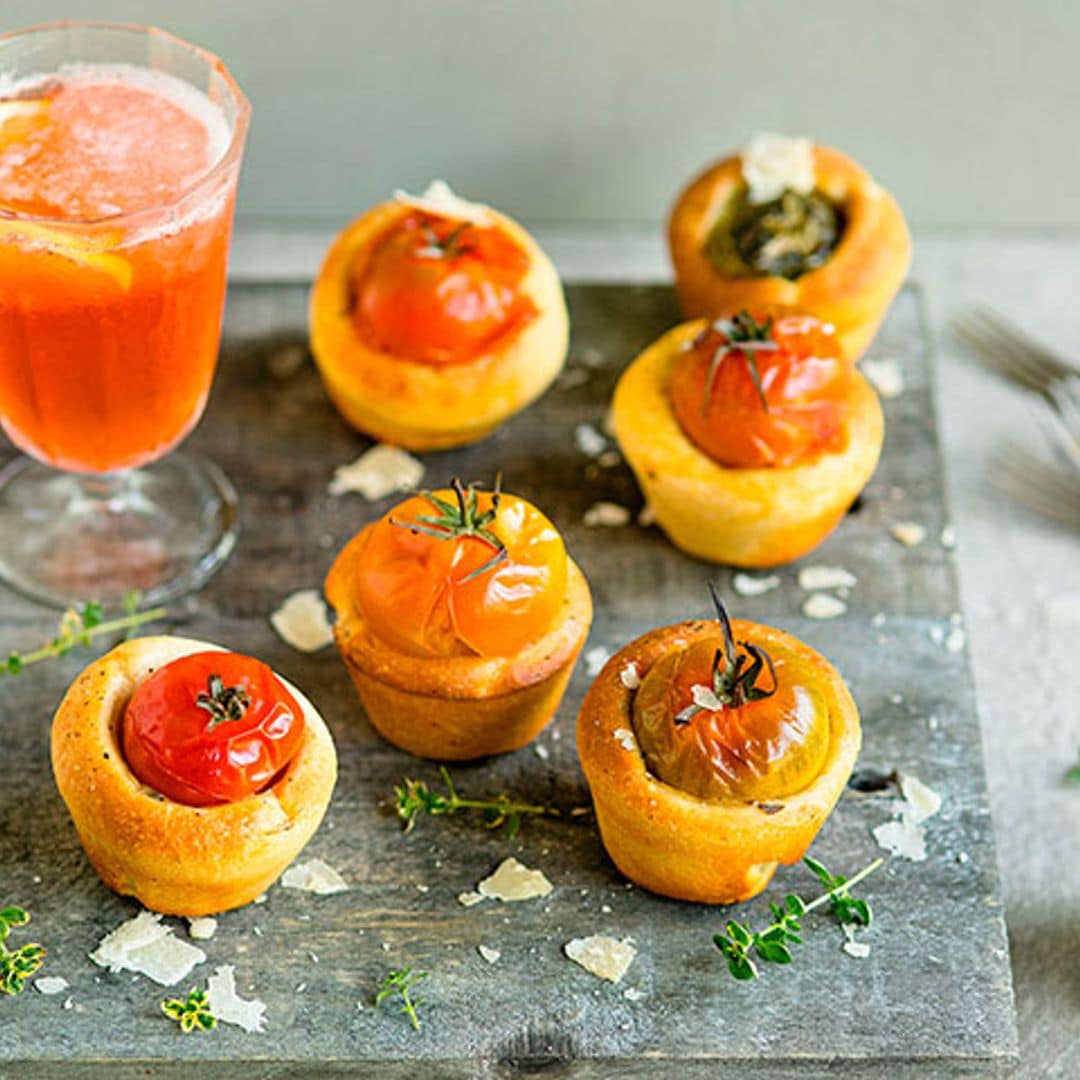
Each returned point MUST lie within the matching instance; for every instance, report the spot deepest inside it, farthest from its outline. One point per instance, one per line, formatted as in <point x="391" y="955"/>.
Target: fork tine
<point x="1056" y="365"/>
<point x="1065" y="396"/>
<point x="1026" y="478"/>
<point x="1007" y="359"/>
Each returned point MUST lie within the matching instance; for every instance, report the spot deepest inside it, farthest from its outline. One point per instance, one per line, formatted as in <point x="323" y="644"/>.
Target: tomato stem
<point x="223" y="703"/>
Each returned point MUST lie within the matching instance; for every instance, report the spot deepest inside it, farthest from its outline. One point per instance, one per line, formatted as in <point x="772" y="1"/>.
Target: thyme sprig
<point x="223" y="703"/>
<point x="734" y="673"/>
<point x="17" y="965"/>
<point x="744" y="335"/>
<point x="79" y="626"/>
<point x="192" y="1013"/>
<point x="773" y="943"/>
<point x="399" y="983"/>
<point x="414" y="797"/>
<point x="462" y="518"/>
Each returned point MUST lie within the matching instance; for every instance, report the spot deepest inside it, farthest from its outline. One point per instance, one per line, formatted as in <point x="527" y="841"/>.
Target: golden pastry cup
<point x="741" y="517"/>
<point x="422" y="406"/>
<point x="852" y="289"/>
<point x="456" y="708"/>
<point x="682" y="846"/>
<point x="173" y="858"/>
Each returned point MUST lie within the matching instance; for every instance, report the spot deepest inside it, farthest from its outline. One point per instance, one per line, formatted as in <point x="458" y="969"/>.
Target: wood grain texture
<point x="923" y="996"/>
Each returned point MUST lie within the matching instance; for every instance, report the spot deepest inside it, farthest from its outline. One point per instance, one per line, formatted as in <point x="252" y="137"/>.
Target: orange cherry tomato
<point x="211" y="728"/>
<point x="758" y="750"/>
<point x="797" y="408"/>
<point x="441" y="291"/>
<point x="436" y="590"/>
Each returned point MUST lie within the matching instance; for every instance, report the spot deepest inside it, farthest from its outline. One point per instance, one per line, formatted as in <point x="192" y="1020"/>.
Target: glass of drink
<point x="120" y="149"/>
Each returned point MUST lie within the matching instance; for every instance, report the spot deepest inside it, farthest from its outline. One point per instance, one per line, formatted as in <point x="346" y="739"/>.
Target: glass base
<point x="161" y="530"/>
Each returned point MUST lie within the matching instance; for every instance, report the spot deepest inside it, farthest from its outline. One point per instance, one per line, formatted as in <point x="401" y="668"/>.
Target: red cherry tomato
<point x="441" y="291"/>
<point x="800" y="409"/>
<point x="211" y="728"/>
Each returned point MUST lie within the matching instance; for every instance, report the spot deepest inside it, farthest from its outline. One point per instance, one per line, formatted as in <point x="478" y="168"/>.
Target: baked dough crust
<point x="677" y="844"/>
<point x="173" y="858"/>
<point x="423" y="406"/>
<point x="852" y="289"/>
<point x="742" y="517"/>
<point x="457" y="708"/>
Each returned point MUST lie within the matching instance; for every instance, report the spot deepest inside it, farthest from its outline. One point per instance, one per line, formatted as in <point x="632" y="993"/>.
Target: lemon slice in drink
<point x="90" y="251"/>
<point x="20" y="116"/>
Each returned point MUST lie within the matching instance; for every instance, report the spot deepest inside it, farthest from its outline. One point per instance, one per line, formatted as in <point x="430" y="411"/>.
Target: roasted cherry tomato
<point x="762" y="736"/>
<point x="441" y="291"/>
<point x="753" y="393"/>
<point x="211" y="728"/>
<point x="461" y="571"/>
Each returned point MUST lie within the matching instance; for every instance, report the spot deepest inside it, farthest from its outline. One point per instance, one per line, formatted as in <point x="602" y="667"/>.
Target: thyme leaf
<point x="17" y="965"/>
<point x="192" y="1013"/>
<point x="399" y="983"/>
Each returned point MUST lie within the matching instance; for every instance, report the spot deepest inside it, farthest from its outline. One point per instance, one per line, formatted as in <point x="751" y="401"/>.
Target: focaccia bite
<point x="787" y="223"/>
<point x="433" y="320"/>
<point x="755" y="802"/>
<point x="176" y="857"/>
<point x="740" y="474"/>
<point x="459" y="637"/>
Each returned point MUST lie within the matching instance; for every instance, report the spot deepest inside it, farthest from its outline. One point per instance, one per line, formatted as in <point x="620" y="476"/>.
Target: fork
<point x="1045" y="488"/>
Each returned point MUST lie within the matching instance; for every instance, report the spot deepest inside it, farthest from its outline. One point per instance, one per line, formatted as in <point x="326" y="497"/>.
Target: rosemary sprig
<point x="399" y="983"/>
<point x="191" y="1013"/>
<point x="744" y="335"/>
<point x="17" y="965"/>
<point x="734" y="673"/>
<point x="79" y="626"/>
<point x="223" y="703"/>
<point x="773" y="943"/>
<point x="414" y="797"/>
<point x="463" y="518"/>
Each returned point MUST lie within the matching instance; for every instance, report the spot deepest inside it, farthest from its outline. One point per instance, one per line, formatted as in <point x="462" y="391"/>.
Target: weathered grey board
<point x="935" y="992"/>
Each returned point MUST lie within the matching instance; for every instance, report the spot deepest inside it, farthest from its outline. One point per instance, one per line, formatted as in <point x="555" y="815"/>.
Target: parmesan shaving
<point x="605" y="957"/>
<point x="607" y="515"/>
<point x="440" y="200"/>
<point x="905" y="835"/>
<point x="470" y="899"/>
<point x="488" y="953"/>
<point x="885" y="376"/>
<point x="908" y="533"/>
<point x="380" y="471"/>
<point x="773" y="164"/>
<point x="302" y="621"/>
<point x="748" y="585"/>
<point x="314" y="876"/>
<point x="813" y="578"/>
<point x="228" y="1007"/>
<point x="859" y="949"/>
<point x="202" y="929"/>
<point x="144" y="946"/>
<point x="51" y="984"/>
<point x="924" y="801"/>
<point x="823" y="606"/>
<point x="512" y="882"/>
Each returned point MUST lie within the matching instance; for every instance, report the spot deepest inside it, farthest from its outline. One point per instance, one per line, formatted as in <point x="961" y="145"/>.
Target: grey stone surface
<point x="935" y="992"/>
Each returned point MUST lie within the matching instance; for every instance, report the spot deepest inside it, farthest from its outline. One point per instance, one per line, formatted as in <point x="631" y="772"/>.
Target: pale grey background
<point x="596" y="110"/>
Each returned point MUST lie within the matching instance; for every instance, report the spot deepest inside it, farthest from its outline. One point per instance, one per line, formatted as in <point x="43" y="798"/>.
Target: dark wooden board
<point x="936" y="988"/>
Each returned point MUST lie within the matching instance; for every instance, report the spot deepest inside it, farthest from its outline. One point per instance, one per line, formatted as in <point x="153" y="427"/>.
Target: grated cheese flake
<point x="229" y="1007"/>
<point x="143" y="945"/>
<point x="595" y="659"/>
<point x="908" y="533"/>
<point x="813" y="578"/>
<point x="630" y="677"/>
<point x="440" y="200"/>
<point x="632" y="993"/>
<point x="202" y="929"/>
<point x="606" y="515"/>
<point x="859" y="949"/>
<point x="589" y="441"/>
<point x="488" y="953"/>
<point x="625" y="738"/>
<point x="378" y="472"/>
<point x="605" y="957"/>
<point x="748" y="585"/>
<point x="773" y="164"/>
<point x="905" y="835"/>
<point x="923" y="801"/>
<point x="314" y="876"/>
<point x="470" y="899"/>
<point x="512" y="882"/>
<point x="302" y="621"/>
<point x="51" y="984"/>
<point x="823" y="606"/>
<point x="885" y="376"/>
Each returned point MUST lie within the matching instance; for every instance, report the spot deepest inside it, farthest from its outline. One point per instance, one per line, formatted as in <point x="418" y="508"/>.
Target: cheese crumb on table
<point x="748" y="585"/>
<point x="823" y="606"/>
<point x="905" y="835"/>
<point x="859" y="949"/>
<point x="908" y="533"/>
<point x="202" y="929"/>
<point x="51" y="984"/>
<point x="605" y="957"/>
<point x="229" y="1007"/>
<point x="469" y="899"/>
<point x="813" y="578"/>
<point x="378" y="472"/>
<point x="606" y="515"/>
<point x="143" y="945"/>
<point x="488" y="953"/>
<point x="885" y="376"/>
<point x="512" y="882"/>
<point x="595" y="659"/>
<point x="314" y="876"/>
<point x="302" y="621"/>
<point x="589" y="441"/>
